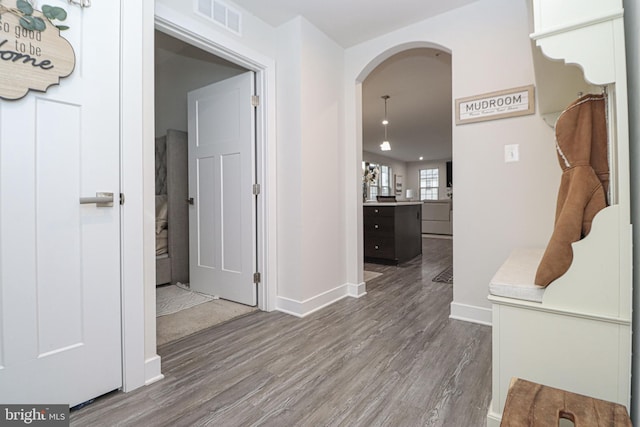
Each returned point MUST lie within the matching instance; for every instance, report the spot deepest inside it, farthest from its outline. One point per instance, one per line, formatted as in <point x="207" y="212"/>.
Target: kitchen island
<point x="392" y="231"/>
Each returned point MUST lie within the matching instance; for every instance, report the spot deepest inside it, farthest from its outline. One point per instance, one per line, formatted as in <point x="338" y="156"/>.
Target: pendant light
<point x="385" y="146"/>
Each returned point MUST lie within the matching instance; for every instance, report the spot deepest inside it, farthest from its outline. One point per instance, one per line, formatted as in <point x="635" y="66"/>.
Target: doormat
<point x="445" y="276"/>
<point x="173" y="298"/>
<point x="370" y="275"/>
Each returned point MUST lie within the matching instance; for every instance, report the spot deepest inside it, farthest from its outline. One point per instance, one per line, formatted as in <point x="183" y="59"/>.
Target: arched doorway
<point x="406" y="162"/>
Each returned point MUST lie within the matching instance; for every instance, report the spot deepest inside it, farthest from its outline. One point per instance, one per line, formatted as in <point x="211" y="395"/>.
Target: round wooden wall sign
<point x="33" y="54"/>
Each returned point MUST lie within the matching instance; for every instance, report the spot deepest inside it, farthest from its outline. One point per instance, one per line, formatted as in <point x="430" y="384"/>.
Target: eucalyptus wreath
<point x="24" y="10"/>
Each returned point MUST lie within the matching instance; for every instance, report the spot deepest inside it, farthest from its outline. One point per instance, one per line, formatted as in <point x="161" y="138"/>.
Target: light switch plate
<point x="512" y="153"/>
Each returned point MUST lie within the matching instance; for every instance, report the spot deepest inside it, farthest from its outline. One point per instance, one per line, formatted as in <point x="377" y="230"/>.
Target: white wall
<point x="176" y="77"/>
<point x="499" y="206"/>
<point x="289" y="154"/>
<point x="322" y="138"/>
<point x="310" y="116"/>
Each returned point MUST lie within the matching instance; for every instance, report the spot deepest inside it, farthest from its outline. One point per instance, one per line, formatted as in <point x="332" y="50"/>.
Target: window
<point x="429" y="184"/>
<point x="385" y="179"/>
<point x="373" y="192"/>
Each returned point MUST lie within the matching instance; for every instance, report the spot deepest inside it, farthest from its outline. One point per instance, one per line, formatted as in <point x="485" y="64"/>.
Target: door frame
<point x="265" y="77"/>
<point x="141" y="364"/>
<point x="214" y="47"/>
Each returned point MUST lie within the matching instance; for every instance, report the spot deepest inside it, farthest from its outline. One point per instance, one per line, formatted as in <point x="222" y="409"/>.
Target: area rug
<point x="186" y="322"/>
<point x="445" y="276"/>
<point x="173" y="298"/>
<point x="370" y="275"/>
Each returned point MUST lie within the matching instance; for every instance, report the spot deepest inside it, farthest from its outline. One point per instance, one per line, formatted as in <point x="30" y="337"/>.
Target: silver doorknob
<point x="102" y="200"/>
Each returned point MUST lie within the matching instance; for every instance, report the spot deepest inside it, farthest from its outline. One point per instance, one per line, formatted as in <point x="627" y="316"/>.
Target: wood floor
<point x="390" y="358"/>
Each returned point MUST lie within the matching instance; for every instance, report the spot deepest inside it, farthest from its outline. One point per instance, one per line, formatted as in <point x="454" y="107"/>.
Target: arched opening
<point x="417" y="77"/>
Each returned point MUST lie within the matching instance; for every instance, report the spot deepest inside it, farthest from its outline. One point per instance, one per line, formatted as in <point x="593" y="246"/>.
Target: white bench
<point x="575" y="334"/>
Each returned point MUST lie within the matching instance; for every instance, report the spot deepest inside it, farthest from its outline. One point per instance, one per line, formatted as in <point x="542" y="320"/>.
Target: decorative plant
<point x="24" y="10"/>
<point x="370" y="173"/>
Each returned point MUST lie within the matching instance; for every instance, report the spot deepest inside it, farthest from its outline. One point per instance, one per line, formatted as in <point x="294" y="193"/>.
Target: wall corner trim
<point x="313" y="304"/>
<point x="152" y="372"/>
<point x="357" y="291"/>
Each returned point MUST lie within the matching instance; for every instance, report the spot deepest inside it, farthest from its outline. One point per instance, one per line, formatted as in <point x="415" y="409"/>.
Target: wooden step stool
<point x="533" y="405"/>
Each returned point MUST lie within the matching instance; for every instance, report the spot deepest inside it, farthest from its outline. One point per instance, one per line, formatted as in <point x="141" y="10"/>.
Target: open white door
<point x="60" y="336"/>
<point x="221" y="177"/>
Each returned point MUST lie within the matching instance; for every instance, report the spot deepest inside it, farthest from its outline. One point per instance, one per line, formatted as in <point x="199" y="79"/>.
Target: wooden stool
<point x="530" y="404"/>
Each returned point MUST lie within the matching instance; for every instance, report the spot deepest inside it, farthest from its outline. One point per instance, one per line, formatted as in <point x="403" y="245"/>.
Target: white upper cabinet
<point x="585" y="32"/>
<point x="550" y="15"/>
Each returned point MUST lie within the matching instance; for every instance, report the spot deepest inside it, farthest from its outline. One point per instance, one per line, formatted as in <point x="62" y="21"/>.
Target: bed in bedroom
<point x="172" y="209"/>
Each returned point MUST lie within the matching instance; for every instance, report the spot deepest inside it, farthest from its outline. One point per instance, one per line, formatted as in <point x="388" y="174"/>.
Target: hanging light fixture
<point x="385" y="146"/>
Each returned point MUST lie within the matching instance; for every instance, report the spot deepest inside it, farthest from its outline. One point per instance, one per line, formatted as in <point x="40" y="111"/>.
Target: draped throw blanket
<point x="581" y="142"/>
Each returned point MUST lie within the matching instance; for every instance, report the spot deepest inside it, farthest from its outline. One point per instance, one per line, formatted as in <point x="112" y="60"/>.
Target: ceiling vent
<point x="221" y="14"/>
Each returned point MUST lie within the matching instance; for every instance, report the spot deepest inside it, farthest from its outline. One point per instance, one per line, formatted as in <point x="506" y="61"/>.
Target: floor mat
<point x="370" y="275"/>
<point x="445" y="276"/>
<point x="173" y="298"/>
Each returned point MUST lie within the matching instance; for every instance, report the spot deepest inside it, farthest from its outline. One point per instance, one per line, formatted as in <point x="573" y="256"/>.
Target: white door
<point x="221" y="177"/>
<point x="60" y="339"/>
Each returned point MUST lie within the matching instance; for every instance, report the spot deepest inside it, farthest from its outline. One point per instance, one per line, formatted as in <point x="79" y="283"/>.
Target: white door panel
<point x="221" y="175"/>
<point x="60" y="339"/>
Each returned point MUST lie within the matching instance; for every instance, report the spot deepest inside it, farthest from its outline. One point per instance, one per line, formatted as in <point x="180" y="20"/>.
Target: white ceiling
<point x="350" y="22"/>
<point x="419" y="109"/>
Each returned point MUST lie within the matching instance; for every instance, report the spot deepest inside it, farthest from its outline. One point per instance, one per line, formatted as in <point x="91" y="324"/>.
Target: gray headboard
<point x="161" y="165"/>
<point x="172" y="179"/>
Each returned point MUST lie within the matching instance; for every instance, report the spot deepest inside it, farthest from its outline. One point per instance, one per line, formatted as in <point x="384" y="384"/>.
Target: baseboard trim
<point x="357" y="291"/>
<point x="313" y="304"/>
<point x="493" y="419"/>
<point x="152" y="370"/>
<point x="470" y="313"/>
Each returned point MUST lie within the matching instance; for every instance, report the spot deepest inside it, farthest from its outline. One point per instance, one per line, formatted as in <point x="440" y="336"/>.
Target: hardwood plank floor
<point x="390" y="358"/>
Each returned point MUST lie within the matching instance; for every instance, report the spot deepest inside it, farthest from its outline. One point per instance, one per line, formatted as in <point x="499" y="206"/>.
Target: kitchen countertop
<point x="391" y="203"/>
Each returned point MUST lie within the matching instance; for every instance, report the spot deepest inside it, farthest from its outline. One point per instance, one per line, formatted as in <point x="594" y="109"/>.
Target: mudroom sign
<point x="33" y="54"/>
<point x="495" y="105"/>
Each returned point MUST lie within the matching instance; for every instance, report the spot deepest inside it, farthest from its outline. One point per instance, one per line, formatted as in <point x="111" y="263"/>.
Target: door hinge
<point x="255" y="100"/>
<point x="256" y="278"/>
<point x="256" y="189"/>
<point x="122" y="198"/>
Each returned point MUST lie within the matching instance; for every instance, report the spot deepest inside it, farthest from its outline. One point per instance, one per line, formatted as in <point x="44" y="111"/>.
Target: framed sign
<point x="33" y="54"/>
<point x="515" y="102"/>
<point x="398" y="185"/>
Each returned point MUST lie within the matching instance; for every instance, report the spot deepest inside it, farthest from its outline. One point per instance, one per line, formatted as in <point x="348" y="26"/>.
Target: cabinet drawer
<point x="378" y="211"/>
<point x="379" y="248"/>
<point x="379" y="226"/>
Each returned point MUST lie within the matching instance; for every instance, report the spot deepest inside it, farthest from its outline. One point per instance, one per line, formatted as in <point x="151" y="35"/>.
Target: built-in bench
<point x="575" y="334"/>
